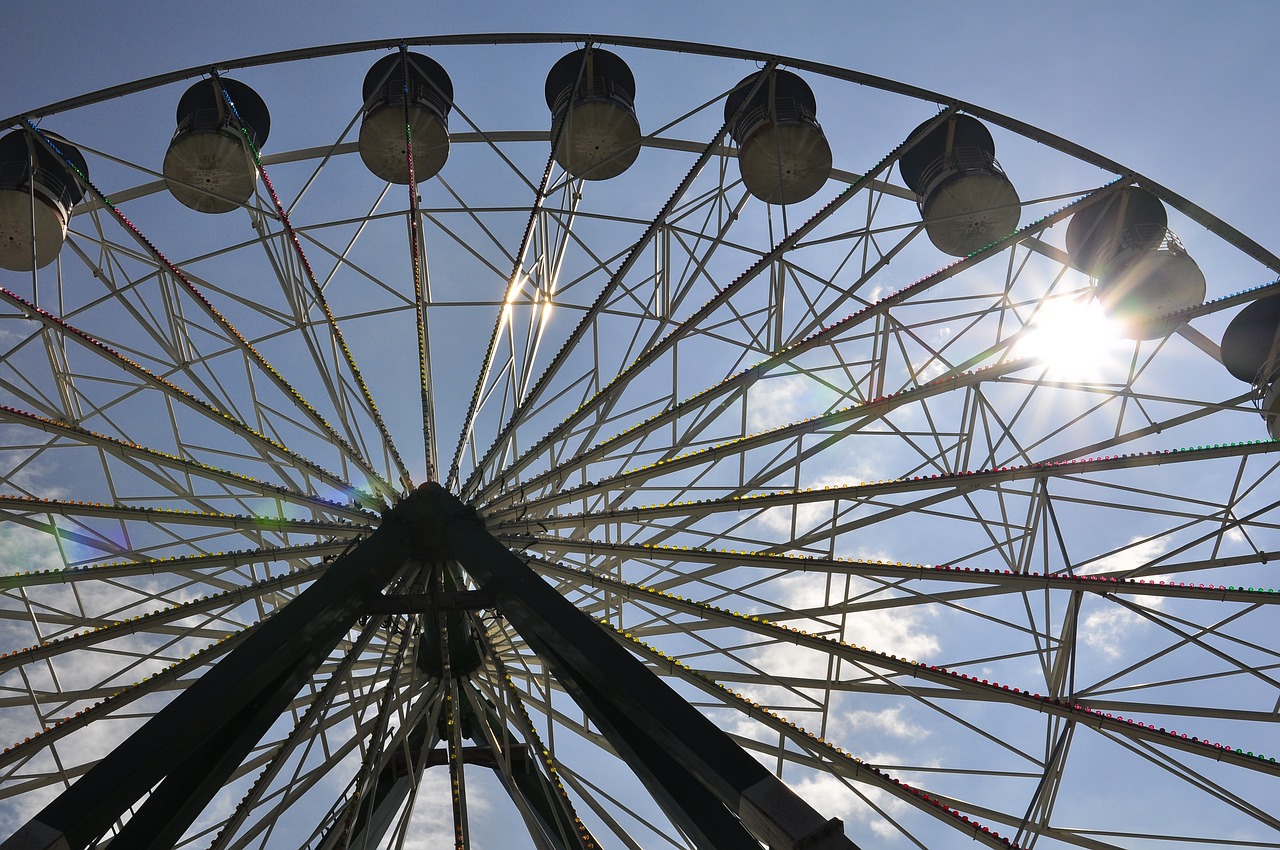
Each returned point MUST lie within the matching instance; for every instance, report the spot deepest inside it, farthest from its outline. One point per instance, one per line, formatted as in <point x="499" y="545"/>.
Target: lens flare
<point x="1074" y="339"/>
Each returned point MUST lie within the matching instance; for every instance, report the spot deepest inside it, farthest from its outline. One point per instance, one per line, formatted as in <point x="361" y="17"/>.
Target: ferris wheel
<point x="568" y="442"/>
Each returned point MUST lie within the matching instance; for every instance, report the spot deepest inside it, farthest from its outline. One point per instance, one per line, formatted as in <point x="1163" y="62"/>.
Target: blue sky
<point x="1183" y="92"/>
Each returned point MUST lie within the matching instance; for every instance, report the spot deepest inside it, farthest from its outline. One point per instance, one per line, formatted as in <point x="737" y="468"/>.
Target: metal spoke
<point x="881" y="515"/>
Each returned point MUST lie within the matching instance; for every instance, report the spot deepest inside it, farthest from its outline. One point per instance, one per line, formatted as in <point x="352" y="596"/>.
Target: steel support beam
<point x="665" y="739"/>
<point x="529" y="788"/>
<point x="712" y="788"/>
<point x="194" y="743"/>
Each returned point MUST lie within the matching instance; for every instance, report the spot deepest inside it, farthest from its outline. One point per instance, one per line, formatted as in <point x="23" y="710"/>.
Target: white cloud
<point x="899" y="631"/>
<point x="926" y="373"/>
<point x="775" y="402"/>
<point x="832" y="798"/>
<point x="15" y="812"/>
<point x="23" y="549"/>
<point x="1137" y="554"/>
<point x="889" y="722"/>
<point x="1107" y="629"/>
<point x="431" y="824"/>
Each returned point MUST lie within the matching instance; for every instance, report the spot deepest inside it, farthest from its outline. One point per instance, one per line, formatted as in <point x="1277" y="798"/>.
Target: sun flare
<point x="1072" y="338"/>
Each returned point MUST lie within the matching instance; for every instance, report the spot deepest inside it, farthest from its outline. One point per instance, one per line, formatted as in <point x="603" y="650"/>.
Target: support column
<point x="658" y="732"/>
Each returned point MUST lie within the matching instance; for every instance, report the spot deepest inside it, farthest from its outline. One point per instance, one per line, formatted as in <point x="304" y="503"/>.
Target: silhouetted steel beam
<point x="194" y="743"/>
<point x="711" y="787"/>
<point x="421" y="603"/>
<point x="665" y="739"/>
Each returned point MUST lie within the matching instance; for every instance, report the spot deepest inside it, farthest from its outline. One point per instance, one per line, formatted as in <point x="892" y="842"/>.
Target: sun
<point x="1073" y="338"/>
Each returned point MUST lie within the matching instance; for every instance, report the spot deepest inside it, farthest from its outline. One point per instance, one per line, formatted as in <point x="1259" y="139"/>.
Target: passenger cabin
<point x="966" y="200"/>
<point x="38" y="189"/>
<point x="209" y="166"/>
<point x="783" y="155"/>
<point x="591" y="94"/>
<point x="406" y="96"/>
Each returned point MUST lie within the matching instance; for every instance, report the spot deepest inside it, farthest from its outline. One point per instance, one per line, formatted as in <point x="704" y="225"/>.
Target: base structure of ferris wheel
<point x="616" y="467"/>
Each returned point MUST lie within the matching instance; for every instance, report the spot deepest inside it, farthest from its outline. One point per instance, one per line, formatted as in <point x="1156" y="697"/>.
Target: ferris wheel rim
<point x="1184" y="205"/>
<point x="584" y="579"/>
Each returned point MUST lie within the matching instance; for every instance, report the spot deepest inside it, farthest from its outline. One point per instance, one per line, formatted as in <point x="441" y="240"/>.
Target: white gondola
<point x="37" y="193"/>
<point x="208" y="166"/>
<point x="966" y="200"/>
<point x="426" y="98"/>
<point x="783" y="155"/>
<point x="591" y="94"/>
<point x="1142" y="272"/>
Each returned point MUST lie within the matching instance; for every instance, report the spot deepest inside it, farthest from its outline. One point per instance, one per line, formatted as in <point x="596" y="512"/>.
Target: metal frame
<point x="797" y="467"/>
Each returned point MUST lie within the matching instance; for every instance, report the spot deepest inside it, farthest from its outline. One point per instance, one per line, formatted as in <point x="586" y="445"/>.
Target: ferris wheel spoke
<point x="331" y="733"/>
<point x="387" y="769"/>
<point x="219" y="571"/>
<point x="498" y="708"/>
<point x="827" y="425"/>
<point x="813" y="751"/>
<point x="593" y="312"/>
<point x="514" y="288"/>
<point x="185" y="339"/>
<point x="182" y="471"/>
<point x="1127" y="740"/>
<point x="390" y="711"/>
<point x="268" y="449"/>
<point x="735" y="387"/>
<point x="608" y="808"/>
<point x="825" y="335"/>
<point x="421" y="288"/>
<point x="205" y="618"/>
<point x="551" y="241"/>
<point x="825" y="756"/>
<point x="774" y="627"/>
<point x="457" y="780"/>
<point x="316" y="291"/>
<point x="1204" y="637"/>
<point x="1036" y="820"/>
<point x="976" y="518"/>
<point x="348" y="396"/>
<point x="108" y="708"/>
<point x="659" y="564"/>
<point x="348" y="399"/>
<point x="78" y="511"/>
<point x="1188" y="774"/>
<point x="1235" y="299"/>
<point x="659" y="342"/>
<point x="276" y="805"/>
<point x="341" y="392"/>
<point x="944" y="487"/>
